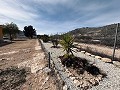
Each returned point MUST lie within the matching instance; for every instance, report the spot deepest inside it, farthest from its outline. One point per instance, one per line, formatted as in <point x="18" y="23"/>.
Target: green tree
<point x="29" y="31"/>
<point x="45" y="38"/>
<point x="11" y="29"/>
<point x="67" y="43"/>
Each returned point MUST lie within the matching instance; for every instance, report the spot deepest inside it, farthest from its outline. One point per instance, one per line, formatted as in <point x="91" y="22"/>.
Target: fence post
<point x="49" y="59"/>
<point x="115" y="41"/>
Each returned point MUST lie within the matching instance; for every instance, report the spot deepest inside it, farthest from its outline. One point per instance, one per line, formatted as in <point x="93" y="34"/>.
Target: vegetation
<point x="69" y="60"/>
<point x="44" y="37"/>
<point x="29" y="31"/>
<point x="67" y="43"/>
<point x="55" y="43"/>
<point x="11" y="29"/>
<point x="54" y="40"/>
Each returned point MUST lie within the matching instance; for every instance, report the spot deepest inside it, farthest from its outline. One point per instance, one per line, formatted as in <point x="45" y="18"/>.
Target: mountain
<point x="103" y="35"/>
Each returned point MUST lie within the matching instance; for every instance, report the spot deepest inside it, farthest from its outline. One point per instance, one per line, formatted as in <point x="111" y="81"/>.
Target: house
<point x="1" y="33"/>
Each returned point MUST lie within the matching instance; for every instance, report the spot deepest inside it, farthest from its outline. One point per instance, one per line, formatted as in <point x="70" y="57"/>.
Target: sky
<point x="59" y="16"/>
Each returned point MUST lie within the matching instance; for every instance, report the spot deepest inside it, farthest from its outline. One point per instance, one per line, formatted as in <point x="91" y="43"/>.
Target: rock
<point x="106" y="60"/>
<point x="47" y="70"/>
<point x="69" y="74"/>
<point x="77" y="82"/>
<point x="98" y="57"/>
<point x="82" y="51"/>
<point x="81" y="82"/>
<point x="116" y="63"/>
<point x="86" y="85"/>
<point x="88" y="54"/>
<point x="65" y="87"/>
<point x="73" y="78"/>
<point x="97" y="79"/>
<point x="67" y="70"/>
<point x="100" y="77"/>
<point x="93" y="56"/>
<point x="92" y="81"/>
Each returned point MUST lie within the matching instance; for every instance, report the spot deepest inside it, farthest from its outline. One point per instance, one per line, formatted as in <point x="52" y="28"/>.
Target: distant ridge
<point x="105" y="34"/>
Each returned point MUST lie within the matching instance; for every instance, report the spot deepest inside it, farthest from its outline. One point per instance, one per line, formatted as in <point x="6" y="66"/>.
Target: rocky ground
<point x="23" y="67"/>
<point x="110" y="82"/>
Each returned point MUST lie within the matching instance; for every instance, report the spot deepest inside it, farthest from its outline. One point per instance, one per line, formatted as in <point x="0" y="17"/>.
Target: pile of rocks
<point x="84" y="81"/>
<point x="107" y="60"/>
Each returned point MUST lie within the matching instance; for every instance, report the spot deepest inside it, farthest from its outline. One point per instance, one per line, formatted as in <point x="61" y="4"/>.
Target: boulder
<point x="106" y="60"/>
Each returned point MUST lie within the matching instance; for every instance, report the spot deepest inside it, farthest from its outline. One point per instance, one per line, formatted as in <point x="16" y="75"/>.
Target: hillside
<point x="102" y="35"/>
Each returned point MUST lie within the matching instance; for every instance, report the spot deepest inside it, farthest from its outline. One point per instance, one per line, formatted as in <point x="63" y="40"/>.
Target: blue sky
<point x="58" y="16"/>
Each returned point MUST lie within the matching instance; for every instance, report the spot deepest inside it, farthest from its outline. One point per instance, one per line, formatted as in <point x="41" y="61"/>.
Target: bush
<point x="55" y="43"/>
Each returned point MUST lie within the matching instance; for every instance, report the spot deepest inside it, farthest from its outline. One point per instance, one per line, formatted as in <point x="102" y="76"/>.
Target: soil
<point x="83" y="71"/>
<point x="21" y="67"/>
<point x="104" y="50"/>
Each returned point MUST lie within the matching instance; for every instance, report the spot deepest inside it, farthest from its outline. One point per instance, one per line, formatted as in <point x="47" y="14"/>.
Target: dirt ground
<point x="101" y="49"/>
<point x="28" y="59"/>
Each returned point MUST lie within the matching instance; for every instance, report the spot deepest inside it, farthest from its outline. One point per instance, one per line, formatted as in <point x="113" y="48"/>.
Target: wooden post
<point x="49" y="59"/>
<point x="115" y="42"/>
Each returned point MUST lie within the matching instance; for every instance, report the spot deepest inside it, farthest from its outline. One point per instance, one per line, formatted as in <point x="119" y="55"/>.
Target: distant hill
<point x="105" y="34"/>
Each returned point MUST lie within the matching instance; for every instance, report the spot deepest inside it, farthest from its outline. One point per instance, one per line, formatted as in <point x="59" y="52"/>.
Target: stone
<point x="85" y="85"/>
<point x="98" y="57"/>
<point x="88" y="54"/>
<point x="81" y="82"/>
<point x="47" y="70"/>
<point x="92" y="81"/>
<point x="77" y="83"/>
<point x="117" y="63"/>
<point x="99" y="77"/>
<point x="65" y="87"/>
<point x="106" y="60"/>
<point x="93" y="56"/>
<point x="67" y="70"/>
<point x="73" y="78"/>
<point x="69" y="74"/>
<point x="82" y="51"/>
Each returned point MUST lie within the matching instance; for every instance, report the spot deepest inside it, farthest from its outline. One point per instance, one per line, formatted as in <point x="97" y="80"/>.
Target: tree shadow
<point x="20" y="40"/>
<point x="5" y="43"/>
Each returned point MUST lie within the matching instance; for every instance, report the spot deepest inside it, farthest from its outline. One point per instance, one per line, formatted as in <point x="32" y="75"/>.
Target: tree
<point x="11" y="29"/>
<point x="45" y="38"/>
<point x="29" y="31"/>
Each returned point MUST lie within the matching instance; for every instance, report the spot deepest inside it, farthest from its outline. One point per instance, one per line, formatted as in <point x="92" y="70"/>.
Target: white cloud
<point x="39" y="13"/>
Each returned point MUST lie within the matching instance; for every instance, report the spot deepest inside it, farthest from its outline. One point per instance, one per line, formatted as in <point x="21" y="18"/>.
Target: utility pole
<point x="115" y="41"/>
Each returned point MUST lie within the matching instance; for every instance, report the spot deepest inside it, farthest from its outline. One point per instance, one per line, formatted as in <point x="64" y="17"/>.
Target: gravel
<point x="112" y="80"/>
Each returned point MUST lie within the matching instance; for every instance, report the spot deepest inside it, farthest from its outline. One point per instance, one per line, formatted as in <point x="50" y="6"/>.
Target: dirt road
<point x="28" y="73"/>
